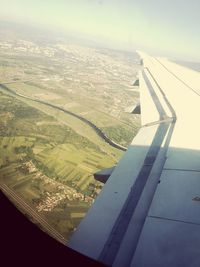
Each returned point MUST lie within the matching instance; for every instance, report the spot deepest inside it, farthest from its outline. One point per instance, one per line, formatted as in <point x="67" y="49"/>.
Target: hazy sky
<point x="170" y="27"/>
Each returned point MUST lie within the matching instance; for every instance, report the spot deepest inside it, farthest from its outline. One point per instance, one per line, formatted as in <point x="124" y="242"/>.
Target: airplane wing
<point x="148" y="213"/>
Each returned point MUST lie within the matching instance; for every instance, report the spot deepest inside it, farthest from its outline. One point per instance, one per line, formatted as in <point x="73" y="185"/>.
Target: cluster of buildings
<point x="51" y="200"/>
<point x="25" y="46"/>
<point x="60" y="192"/>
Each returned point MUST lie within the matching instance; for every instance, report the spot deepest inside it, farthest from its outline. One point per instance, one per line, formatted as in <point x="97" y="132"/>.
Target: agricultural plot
<point x="26" y="89"/>
<point x="72" y="166"/>
<point x="48" y="157"/>
<point x="50" y="166"/>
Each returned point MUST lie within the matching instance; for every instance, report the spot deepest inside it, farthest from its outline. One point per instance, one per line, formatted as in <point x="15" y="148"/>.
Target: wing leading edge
<point x="148" y="213"/>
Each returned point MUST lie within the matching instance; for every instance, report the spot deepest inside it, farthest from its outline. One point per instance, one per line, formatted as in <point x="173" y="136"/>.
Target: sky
<point x="160" y="27"/>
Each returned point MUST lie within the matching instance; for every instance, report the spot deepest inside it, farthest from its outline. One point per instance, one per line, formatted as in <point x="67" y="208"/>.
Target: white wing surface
<point x="148" y="213"/>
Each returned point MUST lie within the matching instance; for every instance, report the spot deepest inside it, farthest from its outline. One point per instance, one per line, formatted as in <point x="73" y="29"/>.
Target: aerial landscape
<point x="63" y="117"/>
<point x="99" y="133"/>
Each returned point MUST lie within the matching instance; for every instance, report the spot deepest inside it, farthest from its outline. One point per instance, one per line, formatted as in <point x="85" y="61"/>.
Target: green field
<point x="39" y="155"/>
<point x="48" y="157"/>
<point x="119" y="130"/>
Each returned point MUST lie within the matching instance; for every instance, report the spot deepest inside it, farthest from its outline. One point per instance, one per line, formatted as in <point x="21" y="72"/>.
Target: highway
<point x="31" y="212"/>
